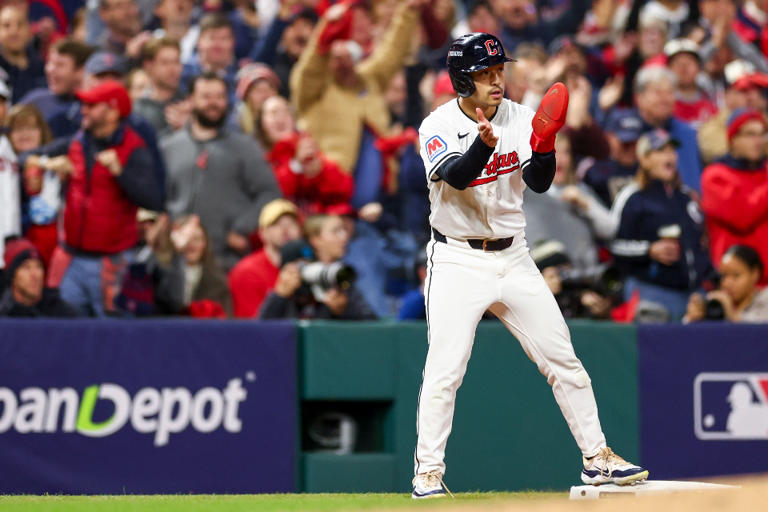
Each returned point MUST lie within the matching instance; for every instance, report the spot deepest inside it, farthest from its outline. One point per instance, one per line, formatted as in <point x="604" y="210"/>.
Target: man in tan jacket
<point x="338" y="91"/>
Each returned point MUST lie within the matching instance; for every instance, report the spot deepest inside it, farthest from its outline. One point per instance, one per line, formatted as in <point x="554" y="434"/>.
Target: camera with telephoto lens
<point x="316" y="276"/>
<point x="604" y="279"/>
<point x="327" y="275"/>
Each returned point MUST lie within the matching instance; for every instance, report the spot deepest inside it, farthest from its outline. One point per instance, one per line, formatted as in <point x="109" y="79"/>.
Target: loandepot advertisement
<point x="147" y="407"/>
<point x="158" y="412"/>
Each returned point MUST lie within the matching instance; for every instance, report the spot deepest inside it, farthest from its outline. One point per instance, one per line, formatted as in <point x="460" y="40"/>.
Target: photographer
<point x="318" y="285"/>
<point x="580" y="293"/>
<point x="738" y="299"/>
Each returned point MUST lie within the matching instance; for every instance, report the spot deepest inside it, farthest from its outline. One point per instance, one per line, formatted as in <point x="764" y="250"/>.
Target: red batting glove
<point x="549" y="118"/>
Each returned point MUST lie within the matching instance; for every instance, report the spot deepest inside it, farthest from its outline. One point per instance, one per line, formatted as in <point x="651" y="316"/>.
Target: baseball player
<point x="480" y="151"/>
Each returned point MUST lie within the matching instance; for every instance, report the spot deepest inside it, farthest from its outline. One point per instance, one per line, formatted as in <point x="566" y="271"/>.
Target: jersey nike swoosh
<point x="462" y="135"/>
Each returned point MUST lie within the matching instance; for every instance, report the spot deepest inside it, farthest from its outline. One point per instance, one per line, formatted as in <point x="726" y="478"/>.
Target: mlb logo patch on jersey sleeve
<point x="435" y="147"/>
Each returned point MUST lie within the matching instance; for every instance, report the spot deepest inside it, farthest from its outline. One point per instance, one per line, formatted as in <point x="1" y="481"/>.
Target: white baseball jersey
<point x="492" y="205"/>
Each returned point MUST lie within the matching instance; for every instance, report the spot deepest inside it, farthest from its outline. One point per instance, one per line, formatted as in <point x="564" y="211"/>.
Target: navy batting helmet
<point x="473" y="52"/>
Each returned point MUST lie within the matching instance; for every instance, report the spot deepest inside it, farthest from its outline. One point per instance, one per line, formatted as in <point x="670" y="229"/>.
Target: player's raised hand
<point x="485" y="130"/>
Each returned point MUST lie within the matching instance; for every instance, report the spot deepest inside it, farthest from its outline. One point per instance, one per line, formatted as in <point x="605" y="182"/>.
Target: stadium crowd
<point x="260" y="159"/>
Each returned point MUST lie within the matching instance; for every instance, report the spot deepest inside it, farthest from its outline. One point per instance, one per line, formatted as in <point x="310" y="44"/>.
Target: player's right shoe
<point x="429" y="485"/>
<point x="608" y="468"/>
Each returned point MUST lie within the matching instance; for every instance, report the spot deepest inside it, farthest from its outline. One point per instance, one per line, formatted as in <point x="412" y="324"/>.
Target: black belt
<point x="475" y="243"/>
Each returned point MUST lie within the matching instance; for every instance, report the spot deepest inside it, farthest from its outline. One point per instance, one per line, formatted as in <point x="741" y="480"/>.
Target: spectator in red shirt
<point x="255" y="275"/>
<point x="692" y="104"/>
<point x="734" y="189"/>
<point x="306" y="177"/>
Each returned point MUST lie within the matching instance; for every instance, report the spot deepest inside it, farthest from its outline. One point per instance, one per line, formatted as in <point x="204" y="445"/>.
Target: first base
<point x="648" y="487"/>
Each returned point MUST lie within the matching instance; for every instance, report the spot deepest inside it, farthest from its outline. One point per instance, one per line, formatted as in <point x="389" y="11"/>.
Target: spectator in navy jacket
<point x="660" y="241"/>
<point x="20" y="65"/>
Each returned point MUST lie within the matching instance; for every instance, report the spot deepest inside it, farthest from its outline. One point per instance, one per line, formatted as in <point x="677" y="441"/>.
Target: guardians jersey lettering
<point x="504" y="163"/>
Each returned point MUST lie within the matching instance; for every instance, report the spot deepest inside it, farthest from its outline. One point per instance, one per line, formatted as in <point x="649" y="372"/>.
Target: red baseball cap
<point x="751" y="81"/>
<point x="111" y="92"/>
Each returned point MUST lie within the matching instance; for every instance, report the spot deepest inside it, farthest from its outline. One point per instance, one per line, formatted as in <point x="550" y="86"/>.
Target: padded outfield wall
<point x="172" y="406"/>
<point x="508" y="432"/>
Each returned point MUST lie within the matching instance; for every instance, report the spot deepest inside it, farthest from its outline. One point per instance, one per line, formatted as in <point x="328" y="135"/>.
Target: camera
<point x="604" y="279"/>
<point x="318" y="277"/>
<point x="714" y="310"/>
<point x="325" y="276"/>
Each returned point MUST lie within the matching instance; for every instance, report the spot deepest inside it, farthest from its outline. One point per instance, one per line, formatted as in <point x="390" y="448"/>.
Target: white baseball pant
<point x="462" y="283"/>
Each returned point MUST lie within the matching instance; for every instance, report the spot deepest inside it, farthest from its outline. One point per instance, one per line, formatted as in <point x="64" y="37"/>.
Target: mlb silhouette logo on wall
<point x="731" y="406"/>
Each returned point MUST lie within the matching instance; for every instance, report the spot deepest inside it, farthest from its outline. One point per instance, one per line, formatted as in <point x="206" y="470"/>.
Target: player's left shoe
<point x="429" y="485"/>
<point x="608" y="468"/>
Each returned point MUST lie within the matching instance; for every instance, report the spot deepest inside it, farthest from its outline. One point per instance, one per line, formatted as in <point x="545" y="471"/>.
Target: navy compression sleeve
<point x="540" y="171"/>
<point x="459" y="171"/>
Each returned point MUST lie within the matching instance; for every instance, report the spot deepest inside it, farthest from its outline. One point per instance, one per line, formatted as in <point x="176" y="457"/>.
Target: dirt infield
<point x="751" y="496"/>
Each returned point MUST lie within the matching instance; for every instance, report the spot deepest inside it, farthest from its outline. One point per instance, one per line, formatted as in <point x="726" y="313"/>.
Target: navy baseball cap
<point x="105" y="62"/>
<point x="654" y="141"/>
<point x="626" y="125"/>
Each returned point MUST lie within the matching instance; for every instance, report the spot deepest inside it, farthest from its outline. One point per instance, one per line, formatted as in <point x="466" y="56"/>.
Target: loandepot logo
<point x="161" y="412"/>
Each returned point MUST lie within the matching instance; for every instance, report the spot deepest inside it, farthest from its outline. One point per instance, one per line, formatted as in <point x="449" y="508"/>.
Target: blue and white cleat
<point x="608" y="468"/>
<point x="429" y="485"/>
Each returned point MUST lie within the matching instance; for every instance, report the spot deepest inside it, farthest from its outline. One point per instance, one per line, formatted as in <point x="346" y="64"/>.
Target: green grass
<point x="244" y="503"/>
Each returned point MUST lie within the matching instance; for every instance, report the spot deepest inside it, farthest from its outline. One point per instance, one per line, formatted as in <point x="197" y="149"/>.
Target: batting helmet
<point x="473" y="52"/>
